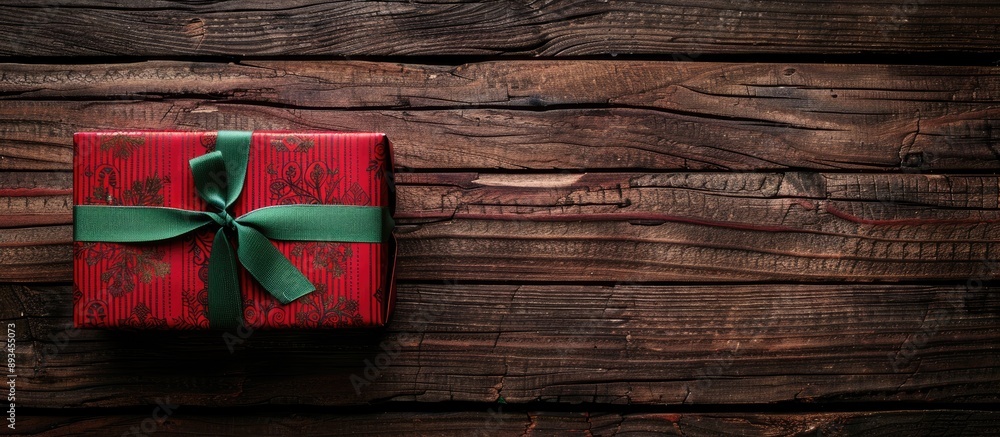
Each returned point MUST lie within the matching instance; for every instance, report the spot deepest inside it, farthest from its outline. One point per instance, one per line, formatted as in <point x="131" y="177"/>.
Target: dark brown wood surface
<point x="622" y="345"/>
<point x="538" y="115"/>
<point x="478" y="27"/>
<point x="496" y="420"/>
<point x="780" y="218"/>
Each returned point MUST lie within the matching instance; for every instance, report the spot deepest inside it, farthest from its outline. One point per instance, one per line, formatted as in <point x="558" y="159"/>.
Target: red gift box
<point x="163" y="284"/>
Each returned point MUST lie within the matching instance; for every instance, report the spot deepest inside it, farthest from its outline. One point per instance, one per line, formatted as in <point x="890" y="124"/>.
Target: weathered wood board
<point x="498" y="420"/>
<point x="623" y="344"/>
<point x="688" y="28"/>
<point x="536" y="115"/>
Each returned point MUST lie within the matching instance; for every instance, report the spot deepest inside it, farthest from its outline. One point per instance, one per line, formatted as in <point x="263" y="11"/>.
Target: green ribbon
<point x="219" y="178"/>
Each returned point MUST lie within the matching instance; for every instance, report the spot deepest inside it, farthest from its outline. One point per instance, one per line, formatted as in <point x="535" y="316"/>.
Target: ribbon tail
<point x="225" y="305"/>
<point x="269" y="266"/>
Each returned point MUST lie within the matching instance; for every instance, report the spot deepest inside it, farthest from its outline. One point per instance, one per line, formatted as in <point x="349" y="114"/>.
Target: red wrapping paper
<point x="163" y="285"/>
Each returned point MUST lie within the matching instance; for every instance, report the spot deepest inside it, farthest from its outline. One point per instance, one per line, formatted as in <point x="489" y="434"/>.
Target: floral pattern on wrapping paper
<point x="91" y="252"/>
<point x="268" y="312"/>
<point x="140" y="318"/>
<point x="122" y="145"/>
<point x="317" y="309"/>
<point x="314" y="185"/>
<point x="107" y="191"/>
<point x="322" y="309"/>
<point x="327" y="255"/>
<point x="131" y="263"/>
<point x="377" y="164"/>
<point x="95" y="312"/>
<point x="128" y="264"/>
<point x="208" y="141"/>
<point x="292" y="143"/>
<point x="194" y="313"/>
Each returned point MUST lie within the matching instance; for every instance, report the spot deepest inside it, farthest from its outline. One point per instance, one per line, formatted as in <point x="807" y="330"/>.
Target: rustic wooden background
<point x="685" y="217"/>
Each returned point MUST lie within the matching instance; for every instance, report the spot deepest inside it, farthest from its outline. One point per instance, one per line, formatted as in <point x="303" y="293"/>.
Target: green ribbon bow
<point x="218" y="178"/>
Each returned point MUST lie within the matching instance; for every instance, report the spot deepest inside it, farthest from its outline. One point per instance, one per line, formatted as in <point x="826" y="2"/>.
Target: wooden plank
<point x="352" y="28"/>
<point x="690" y="227"/>
<point x="35" y="199"/>
<point x="626" y="344"/>
<point x="500" y="420"/>
<point x="700" y="227"/>
<point x="535" y="115"/>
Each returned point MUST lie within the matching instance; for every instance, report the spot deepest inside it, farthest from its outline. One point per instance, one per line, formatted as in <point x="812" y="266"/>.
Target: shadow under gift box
<point x="164" y="284"/>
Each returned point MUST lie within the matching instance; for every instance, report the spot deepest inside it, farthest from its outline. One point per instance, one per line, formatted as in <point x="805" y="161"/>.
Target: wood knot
<point x="196" y="29"/>
<point x="915" y="161"/>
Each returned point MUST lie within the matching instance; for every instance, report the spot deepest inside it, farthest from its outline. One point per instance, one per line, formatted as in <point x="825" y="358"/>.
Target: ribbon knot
<point x="224" y="219"/>
<point x="218" y="178"/>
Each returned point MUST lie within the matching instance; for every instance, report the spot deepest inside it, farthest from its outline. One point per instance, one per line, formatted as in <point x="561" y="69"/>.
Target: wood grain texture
<point x="686" y="248"/>
<point x="499" y="420"/>
<point x="624" y="344"/>
<point x="510" y="27"/>
<point x="689" y="227"/>
<point x="699" y="227"/>
<point x="535" y="115"/>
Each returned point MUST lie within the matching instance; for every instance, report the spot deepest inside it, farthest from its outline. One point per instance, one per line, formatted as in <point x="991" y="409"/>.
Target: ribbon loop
<point x="211" y="179"/>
